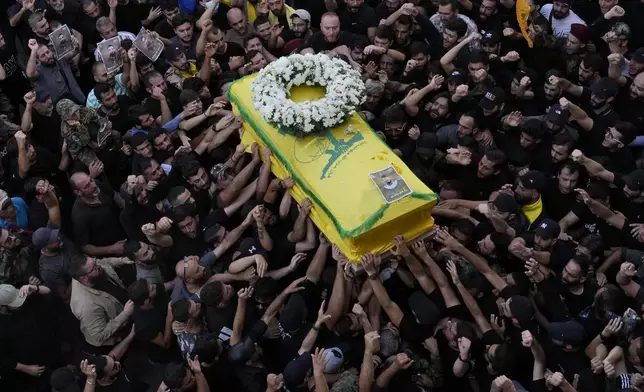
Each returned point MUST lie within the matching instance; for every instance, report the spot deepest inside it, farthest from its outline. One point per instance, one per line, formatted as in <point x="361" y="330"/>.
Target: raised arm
<point x="311" y="337"/>
<point x="240" y="314"/>
<point x="401" y="249"/>
<point x="594" y="168"/>
<point x="447" y="59"/>
<point x="578" y="114"/>
<point x="370" y="263"/>
<point x="439" y="277"/>
<point x="336" y="302"/>
<point x="470" y="302"/>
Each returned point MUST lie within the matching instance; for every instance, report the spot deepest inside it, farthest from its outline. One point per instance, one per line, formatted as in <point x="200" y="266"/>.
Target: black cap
<point x="533" y="179"/>
<point x="42" y="94"/>
<point x="569" y="332"/>
<point x="557" y="115"/>
<point x="426" y="145"/>
<point x="492" y="98"/>
<point x="490" y="37"/>
<point x="65" y="379"/>
<point x="293" y="316"/>
<point x="173" y="52"/>
<point x="529" y="72"/>
<point x="635" y="180"/>
<point x="426" y="312"/>
<point x="506" y="203"/>
<point x="605" y="88"/>
<point x="548" y="229"/>
<point x="638" y="56"/>
<point x="250" y="246"/>
<point x="296" y="371"/>
<point x="458" y="76"/>
<point x="522" y="310"/>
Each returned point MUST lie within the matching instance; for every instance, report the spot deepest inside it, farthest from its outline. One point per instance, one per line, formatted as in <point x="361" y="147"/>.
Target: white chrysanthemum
<point x="270" y="92"/>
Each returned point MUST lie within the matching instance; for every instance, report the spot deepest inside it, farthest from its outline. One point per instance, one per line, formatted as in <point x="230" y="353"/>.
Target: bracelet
<point x="316" y="328"/>
<point x="602" y="336"/>
<point x="90" y="383"/>
<point x="464" y="360"/>
<point x="373" y="277"/>
<point x="38" y="288"/>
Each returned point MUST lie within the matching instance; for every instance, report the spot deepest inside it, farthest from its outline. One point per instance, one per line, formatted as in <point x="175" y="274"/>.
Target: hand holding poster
<point x="61" y="39"/>
<point x="148" y="44"/>
<point x="111" y="54"/>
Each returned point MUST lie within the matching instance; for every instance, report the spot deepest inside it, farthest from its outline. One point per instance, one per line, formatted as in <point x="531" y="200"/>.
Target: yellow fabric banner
<point x="363" y="194"/>
<point x="523" y="13"/>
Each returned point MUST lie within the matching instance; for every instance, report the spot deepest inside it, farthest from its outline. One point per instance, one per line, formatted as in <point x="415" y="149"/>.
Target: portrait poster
<point x="390" y="183"/>
<point x="148" y="44"/>
<point x="61" y="40"/>
<point x="110" y="54"/>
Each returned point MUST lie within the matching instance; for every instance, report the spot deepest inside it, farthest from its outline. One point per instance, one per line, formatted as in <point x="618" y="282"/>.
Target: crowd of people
<point x="143" y="247"/>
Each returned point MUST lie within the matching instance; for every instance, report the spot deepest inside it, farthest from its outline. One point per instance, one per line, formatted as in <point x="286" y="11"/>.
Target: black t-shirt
<point x="121" y="122"/>
<point x="69" y="16"/>
<point x="97" y="224"/>
<point x="412" y="331"/>
<point x="171" y="96"/>
<point x="150" y="322"/>
<point x="46" y="131"/>
<point x="106" y="284"/>
<point x="23" y="29"/>
<point x="15" y="84"/>
<point x="577" y="303"/>
<point x="319" y="44"/>
<point x="358" y="22"/>
<point x="232" y="50"/>
<point x="557" y="204"/>
<point x="594" y="225"/>
<point x="129" y="17"/>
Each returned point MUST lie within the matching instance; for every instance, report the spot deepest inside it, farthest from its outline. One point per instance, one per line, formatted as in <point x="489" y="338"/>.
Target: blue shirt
<point x="22" y="214"/>
<point x="170" y="126"/>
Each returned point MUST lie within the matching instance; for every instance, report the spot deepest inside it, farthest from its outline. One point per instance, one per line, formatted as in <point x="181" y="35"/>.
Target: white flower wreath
<point x="345" y="92"/>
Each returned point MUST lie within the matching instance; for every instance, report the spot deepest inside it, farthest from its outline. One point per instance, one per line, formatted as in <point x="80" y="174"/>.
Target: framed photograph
<point x="61" y="40"/>
<point x="390" y="183"/>
<point x="109" y="50"/>
<point x="148" y="44"/>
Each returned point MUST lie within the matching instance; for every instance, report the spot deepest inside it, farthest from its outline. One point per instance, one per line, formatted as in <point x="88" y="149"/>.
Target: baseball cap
<point x="10" y="296"/>
<point x="250" y="246"/>
<point x="580" y="31"/>
<point x="44" y="237"/>
<point x="42" y="94"/>
<point x="334" y="358"/>
<point x="634" y="181"/>
<point x="210" y="233"/>
<point x="4" y="198"/>
<point x="533" y="179"/>
<point x="295" y="371"/>
<point x="529" y="72"/>
<point x="557" y="115"/>
<point x="492" y="98"/>
<point x="293" y="316"/>
<point x="219" y="171"/>
<point x="426" y="145"/>
<point x="490" y="37"/>
<point x="569" y="332"/>
<point x="522" y="310"/>
<point x="506" y="203"/>
<point x="458" y="76"/>
<point x="605" y="88"/>
<point x="302" y="14"/>
<point x="548" y="229"/>
<point x="638" y="56"/>
<point x="173" y="52"/>
<point x="426" y="312"/>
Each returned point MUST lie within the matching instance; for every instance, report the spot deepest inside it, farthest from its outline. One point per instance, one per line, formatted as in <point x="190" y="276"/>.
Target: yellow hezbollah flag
<point x="363" y="193"/>
<point x="523" y="12"/>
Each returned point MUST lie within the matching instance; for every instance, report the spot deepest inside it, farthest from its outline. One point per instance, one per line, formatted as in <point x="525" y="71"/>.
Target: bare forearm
<point x="366" y="373"/>
<point x="238" y="322"/>
<point x="23" y="160"/>
<point x="204" y="72"/>
<point x="31" y="66"/>
<point x="228" y="195"/>
<point x="264" y="179"/>
<point x="299" y="228"/>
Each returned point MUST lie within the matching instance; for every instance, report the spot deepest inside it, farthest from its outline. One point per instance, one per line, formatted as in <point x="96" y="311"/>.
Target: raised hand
<point x="514" y="119"/>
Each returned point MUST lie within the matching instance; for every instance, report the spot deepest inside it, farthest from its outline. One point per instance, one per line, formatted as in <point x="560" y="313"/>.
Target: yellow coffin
<point x="338" y="171"/>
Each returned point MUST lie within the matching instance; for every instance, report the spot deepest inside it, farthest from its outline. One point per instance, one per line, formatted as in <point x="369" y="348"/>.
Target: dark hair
<point x="190" y="168"/>
<point x="136" y="111"/>
<point x="99" y="362"/>
<point x="594" y="243"/>
<point x="478" y="56"/>
<point x="497" y="157"/>
<point x="501" y="242"/>
<point x="155" y="133"/>
<point x="212" y="293"/>
<point x="394" y="114"/>
<point x="85" y="3"/>
<point x="563" y="139"/>
<point x="141" y="60"/>
<point x="405" y="20"/>
<point x="188" y="96"/>
<point x="571" y="165"/>
<point x="384" y="32"/>
<point x="138" y="139"/>
<point x="174" y="193"/>
<point x="343" y="326"/>
<point x="173" y="375"/>
<point x="598" y="190"/>
<point x="475" y="117"/>
<point x="628" y="131"/>
<point x="260" y="20"/>
<point x="468" y="142"/>
<point x="130" y="248"/>
<point x="418" y="47"/>
<point x="463" y="225"/>
<point x="521" y="282"/>
<point x="250" y="54"/>
<point x="453" y="185"/>
<point x="138" y="292"/>
<point x="466" y="330"/>
<point x="503" y="359"/>
<point x="612" y="300"/>
<point x="207" y="348"/>
<point x="143" y="164"/>
<point x="265" y="289"/>
<point x="169" y="6"/>
<point x="77" y="267"/>
<point x="594" y="61"/>
<point x="180" y="19"/>
<point x="583" y="262"/>
<point x="456" y="25"/>
<point x="101" y="88"/>
<point x="359" y="41"/>
<point x="554" y="72"/>
<point x="194" y="83"/>
<point x="252" y="36"/>
<point x="181" y="310"/>
<point x="448" y="2"/>
<point x="534" y="128"/>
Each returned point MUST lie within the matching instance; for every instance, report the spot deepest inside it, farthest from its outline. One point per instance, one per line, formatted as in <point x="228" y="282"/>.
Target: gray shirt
<point x="59" y="81"/>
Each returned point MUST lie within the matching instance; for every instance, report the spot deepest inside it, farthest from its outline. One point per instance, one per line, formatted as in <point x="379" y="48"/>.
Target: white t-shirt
<point x="561" y="27"/>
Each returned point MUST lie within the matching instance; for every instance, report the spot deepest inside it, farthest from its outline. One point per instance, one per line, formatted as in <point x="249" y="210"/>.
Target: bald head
<point x="237" y="21"/>
<point x="78" y="179"/>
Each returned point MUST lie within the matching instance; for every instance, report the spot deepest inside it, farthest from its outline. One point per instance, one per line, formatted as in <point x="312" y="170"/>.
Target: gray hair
<point x="374" y="87"/>
<point x="34" y="19"/>
<point x="103" y="22"/>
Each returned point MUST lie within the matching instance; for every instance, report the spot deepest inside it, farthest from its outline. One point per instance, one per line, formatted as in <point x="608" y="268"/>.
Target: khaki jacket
<point x="100" y="314"/>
